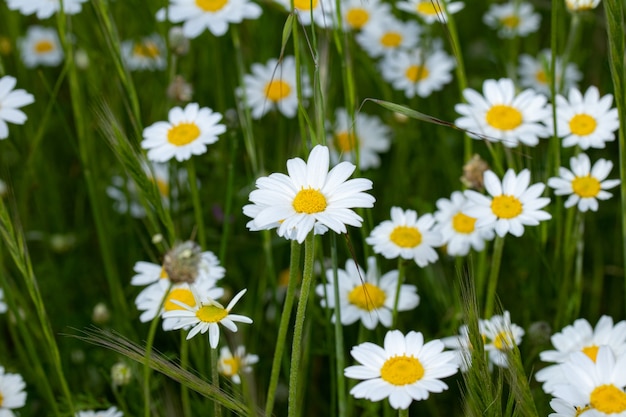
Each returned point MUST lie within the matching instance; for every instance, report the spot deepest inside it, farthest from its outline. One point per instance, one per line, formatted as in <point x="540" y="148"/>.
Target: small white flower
<point x="12" y="392"/>
<point x="41" y="46"/>
<point x="581" y="5"/>
<point x="232" y="366"/>
<point x="45" y="8"/>
<point x="148" y="53"/>
<point x="10" y="102"/>
<point x="512" y="19"/>
<point x="110" y="412"/>
<point x="584" y="184"/>
<point x="536" y="73"/>
<point x="358" y="14"/>
<point x="500" y="337"/>
<point x="386" y="35"/>
<point x="322" y="11"/>
<point x="430" y="11"/>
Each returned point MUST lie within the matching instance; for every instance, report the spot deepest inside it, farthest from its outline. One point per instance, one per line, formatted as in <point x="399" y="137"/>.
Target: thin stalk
<point x="394" y="313"/>
<point x="197" y="207"/>
<point x="184" y="363"/>
<point x="307" y="279"/>
<point x="492" y="284"/>
<point x="215" y="380"/>
<point x="403" y="412"/>
<point x="339" y="345"/>
<point x="578" y="269"/>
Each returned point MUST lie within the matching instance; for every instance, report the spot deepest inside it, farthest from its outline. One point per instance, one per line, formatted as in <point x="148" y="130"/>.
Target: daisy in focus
<point x="536" y="73"/>
<point x="581" y="5"/>
<point x="310" y="194"/>
<point x="458" y="230"/>
<point x="205" y="315"/>
<point x="502" y="115"/>
<point x="214" y="15"/>
<point x="580" y="337"/>
<point x="512" y="203"/>
<point x="366" y="296"/>
<point x="45" y="8"/>
<point x="512" y="19"/>
<point x="584" y="184"/>
<point x="366" y="137"/>
<point x="186" y="133"/>
<point x="431" y="11"/>
<point x="406" y="236"/>
<point x="357" y="14"/>
<point x="585" y="120"/>
<point x="500" y="337"/>
<point x="322" y="11"/>
<point x="386" y="35"/>
<point x="405" y="370"/>
<point x="231" y="366"/>
<point x="41" y="46"/>
<point x="417" y="72"/>
<point x="12" y="392"/>
<point x="10" y="102"/>
<point x="110" y="412"/>
<point x="149" y="53"/>
<point x="273" y="87"/>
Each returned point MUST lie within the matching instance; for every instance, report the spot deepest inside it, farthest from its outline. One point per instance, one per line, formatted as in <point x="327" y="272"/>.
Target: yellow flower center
<point x="416" y="73"/>
<point x="277" y="90"/>
<point x="405" y="236"/>
<point x="503" y="340"/>
<point x="462" y="223"/>
<point x="357" y="17"/>
<point x="591" y="352"/>
<point x="580" y="410"/>
<point x="44" y="46"/>
<point x="391" y="39"/>
<point x="210" y="313"/>
<point x="183" y="134"/>
<point x="428" y="8"/>
<point x="179" y="294"/>
<point x="305" y="4"/>
<point x="211" y="5"/>
<point x="506" y="206"/>
<point x="309" y="201"/>
<point x="345" y="141"/>
<point x="608" y="399"/>
<point x="541" y="77"/>
<point x="586" y="187"/>
<point x="402" y="370"/>
<point x="146" y="50"/>
<point x="230" y="366"/>
<point x="503" y="117"/>
<point x="367" y="297"/>
<point x="510" y="22"/>
<point x="582" y="124"/>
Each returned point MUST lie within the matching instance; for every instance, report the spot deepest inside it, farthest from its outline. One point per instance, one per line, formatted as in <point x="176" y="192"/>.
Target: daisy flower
<point x="406" y="236"/>
<point x="252" y="210"/>
<point x="231" y="365"/>
<point x="512" y="19"/>
<point x="385" y="35"/>
<point x="273" y="86"/>
<point x="322" y="11"/>
<point x="586" y="120"/>
<point x="45" y="8"/>
<point x="404" y="370"/>
<point x="417" y="72"/>
<point x="10" y="102"/>
<point x="366" y="296"/>
<point x="358" y="14"/>
<point x="12" y="392"/>
<point x="149" y="53"/>
<point x="111" y="412"/>
<point x="535" y="73"/>
<point x="512" y="203"/>
<point x="580" y="337"/>
<point x="366" y="136"/>
<point x="564" y="409"/>
<point x="500" y="337"/>
<point x="458" y="230"/>
<point x="311" y="194"/>
<point x="584" y="184"/>
<point x="186" y="133"/>
<point x="502" y="115"/>
<point x="41" y="46"/>
<point x="461" y="346"/>
<point x="581" y="5"/>
<point x="3" y="305"/>
<point x="430" y="11"/>
<point x="205" y="315"/>
<point x="214" y="15"/>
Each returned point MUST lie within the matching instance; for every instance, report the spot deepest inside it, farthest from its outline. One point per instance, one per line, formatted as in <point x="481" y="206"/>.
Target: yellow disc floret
<point x="305" y="4"/>
<point x="608" y="399"/>
<point x="277" y="90"/>
<point x="210" y="313"/>
<point x="309" y="201"/>
<point x="402" y="370"/>
<point x="211" y="5"/>
<point x="503" y="117"/>
<point x="183" y="134"/>
<point x="44" y="46"/>
<point x="586" y="187"/>
<point x="506" y="206"/>
<point x="357" y="17"/>
<point x="462" y="223"/>
<point x="582" y="124"/>
<point x="406" y="237"/>
<point x="591" y="352"/>
<point x="183" y="295"/>
<point x="391" y="39"/>
<point x="416" y="73"/>
<point x="367" y="297"/>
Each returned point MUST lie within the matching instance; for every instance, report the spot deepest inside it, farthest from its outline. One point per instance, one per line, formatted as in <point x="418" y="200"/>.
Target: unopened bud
<point x="473" y="172"/>
<point x="121" y="374"/>
<point x="100" y="314"/>
<point x="182" y="261"/>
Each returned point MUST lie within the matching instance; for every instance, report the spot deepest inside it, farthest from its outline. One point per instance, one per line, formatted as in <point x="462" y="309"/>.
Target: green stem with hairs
<point x="493" y="276"/>
<point x="403" y="412"/>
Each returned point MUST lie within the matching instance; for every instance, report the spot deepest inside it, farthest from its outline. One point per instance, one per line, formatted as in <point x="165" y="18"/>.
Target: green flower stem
<point x="578" y="269"/>
<point x="394" y="313"/>
<point x="215" y="379"/>
<point x="403" y="413"/>
<point x="339" y="345"/>
<point x="493" y="276"/>
<point x="184" y="363"/>
<point x="294" y="273"/>
<point x="296" y="351"/>
<point x="197" y="207"/>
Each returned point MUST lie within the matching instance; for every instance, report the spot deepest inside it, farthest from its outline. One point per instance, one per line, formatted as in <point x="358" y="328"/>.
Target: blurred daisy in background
<point x="417" y="72"/>
<point x="233" y="365"/>
<point x="358" y="14"/>
<point x="12" y="392"/>
<point x="461" y="345"/>
<point x="149" y="53"/>
<point x="214" y="15"/>
<point x="385" y="35"/>
<point x="405" y="370"/>
<point x="407" y="236"/>
<point x="11" y="100"/>
<point x="501" y="336"/>
<point x="585" y="120"/>
<point x="366" y="296"/>
<point x="41" y="46"/>
<point x="45" y="8"/>
<point x="366" y="136"/>
<point x="502" y="115"/>
<point x="110" y="412"/>
<point x="513" y="203"/>
<point x="536" y="73"/>
<point x="187" y="132"/>
<point x="581" y="5"/>
<point x="512" y="19"/>
<point x="430" y="11"/>
<point x="584" y="184"/>
<point x="322" y="11"/>
<point x="273" y="87"/>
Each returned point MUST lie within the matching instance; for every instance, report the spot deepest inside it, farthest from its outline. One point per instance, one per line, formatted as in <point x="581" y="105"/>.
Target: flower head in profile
<point x="110" y="412"/>
<point x="214" y="15"/>
<point x="536" y="73"/>
<point x="233" y="365"/>
<point x="10" y="102"/>
<point x="511" y="204"/>
<point x="430" y="11"/>
<point x="41" y="46"/>
<point x="365" y="295"/>
<point x="12" y="392"/>
<point x="45" y="8"/>
<point x="358" y="14"/>
<point x="187" y="132"/>
<point x="584" y="184"/>
<point x="148" y="53"/>
<point x="310" y="194"/>
<point x="502" y="115"/>
<point x="581" y="5"/>
<point x="404" y="370"/>
<point x="512" y="19"/>
<point x="389" y="34"/>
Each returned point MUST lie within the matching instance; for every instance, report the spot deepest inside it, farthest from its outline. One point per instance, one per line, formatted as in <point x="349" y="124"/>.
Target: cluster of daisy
<point x="12" y="392"/>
